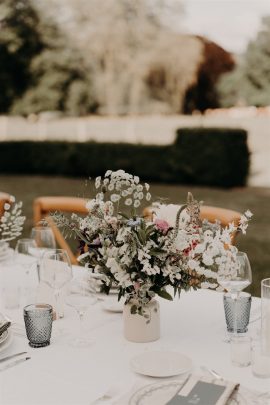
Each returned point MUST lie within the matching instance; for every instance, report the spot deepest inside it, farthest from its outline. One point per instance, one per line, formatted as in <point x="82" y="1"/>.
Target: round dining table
<point x="61" y="374"/>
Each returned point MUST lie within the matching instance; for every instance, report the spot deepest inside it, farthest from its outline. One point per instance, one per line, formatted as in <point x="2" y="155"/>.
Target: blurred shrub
<point x="212" y="156"/>
<point x="203" y="156"/>
<point x="249" y="83"/>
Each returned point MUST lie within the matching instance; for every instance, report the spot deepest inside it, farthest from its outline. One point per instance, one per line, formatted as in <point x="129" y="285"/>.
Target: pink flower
<point x="162" y="225"/>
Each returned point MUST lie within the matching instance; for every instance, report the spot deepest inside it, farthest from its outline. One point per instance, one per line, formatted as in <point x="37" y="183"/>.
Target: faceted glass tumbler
<point x="38" y="324"/>
<point x="237" y="312"/>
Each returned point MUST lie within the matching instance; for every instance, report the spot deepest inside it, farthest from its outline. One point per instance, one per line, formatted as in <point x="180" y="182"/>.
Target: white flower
<point x="115" y="197"/>
<point x="207" y="259"/>
<point x="108" y="173"/>
<point x="136" y="179"/>
<point x="111" y="186"/>
<point x="7" y="206"/>
<point x="128" y="201"/>
<point x="147" y="187"/>
<point x="148" y="197"/>
<point x="98" y="182"/>
<point x="124" y="193"/>
<point x="139" y="188"/>
<point x="137" y="203"/>
<point x="192" y="264"/>
<point x="140" y="195"/>
<point x="248" y="214"/>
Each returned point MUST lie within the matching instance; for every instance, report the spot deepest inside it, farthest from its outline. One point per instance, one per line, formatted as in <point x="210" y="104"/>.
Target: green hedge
<point x="202" y="156"/>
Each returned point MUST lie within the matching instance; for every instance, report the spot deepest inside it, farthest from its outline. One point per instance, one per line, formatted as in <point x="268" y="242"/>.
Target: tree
<point x="20" y="41"/>
<point x="250" y="82"/>
<point x="123" y="42"/>
<point x="215" y="62"/>
<point x="59" y="80"/>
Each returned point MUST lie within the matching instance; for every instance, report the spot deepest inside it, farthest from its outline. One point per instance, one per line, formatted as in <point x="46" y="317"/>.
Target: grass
<point x="256" y="243"/>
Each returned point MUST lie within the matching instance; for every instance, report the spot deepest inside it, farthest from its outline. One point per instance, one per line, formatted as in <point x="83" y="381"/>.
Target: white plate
<point x="7" y="342"/>
<point x="161" y="393"/>
<point x="161" y="364"/>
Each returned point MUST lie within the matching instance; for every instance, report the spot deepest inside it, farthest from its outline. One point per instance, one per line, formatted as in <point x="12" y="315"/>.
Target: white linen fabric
<point x="62" y="375"/>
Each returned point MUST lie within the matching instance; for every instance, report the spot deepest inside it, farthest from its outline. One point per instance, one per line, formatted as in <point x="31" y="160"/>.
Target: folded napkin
<point x="204" y="391"/>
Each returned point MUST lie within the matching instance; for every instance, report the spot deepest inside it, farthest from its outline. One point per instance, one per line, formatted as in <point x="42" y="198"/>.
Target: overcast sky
<point x="230" y="23"/>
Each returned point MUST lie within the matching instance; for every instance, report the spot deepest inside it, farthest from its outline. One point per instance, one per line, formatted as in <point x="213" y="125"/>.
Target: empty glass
<point x="44" y="238"/>
<point x="56" y="272"/>
<point x="265" y="303"/>
<point x="24" y="258"/>
<point x="240" y="350"/>
<point x="237" y="312"/>
<point x="260" y="359"/>
<point x="38" y="324"/>
<point x="81" y="296"/>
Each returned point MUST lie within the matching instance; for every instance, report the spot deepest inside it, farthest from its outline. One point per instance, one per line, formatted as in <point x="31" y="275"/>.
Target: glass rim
<point x="37" y="308"/>
<point x="242" y="294"/>
<point x="25" y="239"/>
<point x="265" y="282"/>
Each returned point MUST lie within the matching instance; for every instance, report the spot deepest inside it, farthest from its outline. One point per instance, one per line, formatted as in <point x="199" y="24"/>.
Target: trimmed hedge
<point x="202" y="156"/>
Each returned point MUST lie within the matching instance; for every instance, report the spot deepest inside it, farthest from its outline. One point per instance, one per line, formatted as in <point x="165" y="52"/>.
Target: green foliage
<point x="203" y="156"/>
<point x="212" y="156"/>
<point x="250" y="83"/>
<point x="20" y="41"/>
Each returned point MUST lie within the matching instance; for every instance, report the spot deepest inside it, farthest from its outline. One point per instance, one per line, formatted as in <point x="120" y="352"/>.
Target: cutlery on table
<point x="12" y="356"/>
<point x="15" y="362"/>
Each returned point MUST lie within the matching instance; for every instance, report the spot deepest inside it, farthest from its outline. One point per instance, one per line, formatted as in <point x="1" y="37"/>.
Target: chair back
<point x="44" y="206"/>
<point x="224" y="215"/>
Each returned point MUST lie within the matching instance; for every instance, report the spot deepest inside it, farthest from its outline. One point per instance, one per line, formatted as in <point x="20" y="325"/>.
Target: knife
<point x="13" y="363"/>
<point x="12" y="356"/>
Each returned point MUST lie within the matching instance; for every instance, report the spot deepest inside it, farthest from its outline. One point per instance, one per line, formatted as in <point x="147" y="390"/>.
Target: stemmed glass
<point x="44" y="238"/>
<point x="81" y="296"/>
<point x="237" y="281"/>
<point x="241" y="279"/>
<point x="24" y="257"/>
<point x="56" y="272"/>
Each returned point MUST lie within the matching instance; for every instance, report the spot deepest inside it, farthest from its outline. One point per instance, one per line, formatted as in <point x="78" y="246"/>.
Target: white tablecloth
<point x="62" y="375"/>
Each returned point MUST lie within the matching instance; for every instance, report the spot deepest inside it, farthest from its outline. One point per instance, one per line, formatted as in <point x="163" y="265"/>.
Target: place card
<point x="204" y="391"/>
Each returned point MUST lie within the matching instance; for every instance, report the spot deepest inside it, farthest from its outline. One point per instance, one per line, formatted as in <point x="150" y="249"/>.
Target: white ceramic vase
<point x="139" y="329"/>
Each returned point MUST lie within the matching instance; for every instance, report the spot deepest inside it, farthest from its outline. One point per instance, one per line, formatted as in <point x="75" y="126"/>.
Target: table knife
<point x="13" y="363"/>
<point x="11" y="356"/>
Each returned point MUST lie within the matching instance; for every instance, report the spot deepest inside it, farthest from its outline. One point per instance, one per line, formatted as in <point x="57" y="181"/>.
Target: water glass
<point x="265" y="303"/>
<point x="260" y="360"/>
<point x="38" y="324"/>
<point x="240" y="350"/>
<point x="237" y="312"/>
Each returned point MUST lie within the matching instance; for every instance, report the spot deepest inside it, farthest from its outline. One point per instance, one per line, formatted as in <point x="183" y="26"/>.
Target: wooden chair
<point x="4" y="198"/>
<point x="224" y="215"/>
<point x="43" y="206"/>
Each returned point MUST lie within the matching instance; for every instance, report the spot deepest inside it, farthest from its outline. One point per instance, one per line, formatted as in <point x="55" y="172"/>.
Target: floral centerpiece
<point x="11" y="225"/>
<point x="143" y="256"/>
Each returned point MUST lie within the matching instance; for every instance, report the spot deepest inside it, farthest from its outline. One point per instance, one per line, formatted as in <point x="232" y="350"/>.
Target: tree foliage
<point x="249" y="83"/>
<point x="20" y="41"/>
<point x="215" y="62"/>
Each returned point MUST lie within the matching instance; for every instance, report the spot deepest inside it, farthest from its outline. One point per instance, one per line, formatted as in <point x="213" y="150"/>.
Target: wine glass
<point x="81" y="296"/>
<point x="44" y="238"/>
<point x="56" y="272"/>
<point x="24" y="257"/>
<point x="237" y="280"/>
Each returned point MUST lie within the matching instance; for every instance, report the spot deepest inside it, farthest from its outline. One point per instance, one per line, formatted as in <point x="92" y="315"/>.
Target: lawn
<point x="256" y="243"/>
